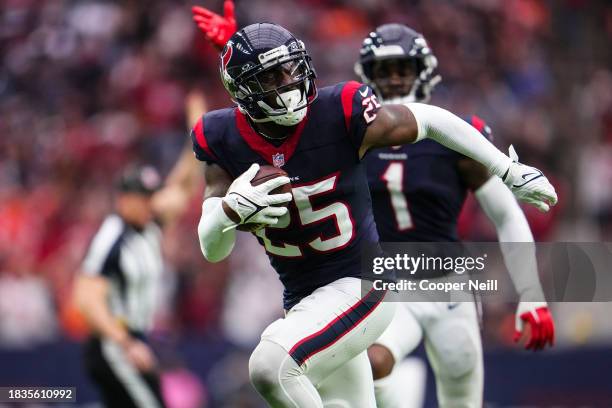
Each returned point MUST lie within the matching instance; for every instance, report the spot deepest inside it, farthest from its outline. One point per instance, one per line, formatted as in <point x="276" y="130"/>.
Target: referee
<point x="116" y="291"/>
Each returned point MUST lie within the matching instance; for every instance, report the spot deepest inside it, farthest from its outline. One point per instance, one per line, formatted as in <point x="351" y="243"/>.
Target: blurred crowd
<point x="87" y="87"/>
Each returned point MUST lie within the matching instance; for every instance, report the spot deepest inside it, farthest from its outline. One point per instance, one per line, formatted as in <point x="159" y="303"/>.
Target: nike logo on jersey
<point x="529" y="177"/>
<point x="364" y="93"/>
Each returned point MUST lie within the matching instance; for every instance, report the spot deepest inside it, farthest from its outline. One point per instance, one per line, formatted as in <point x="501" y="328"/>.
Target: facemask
<point x="295" y="103"/>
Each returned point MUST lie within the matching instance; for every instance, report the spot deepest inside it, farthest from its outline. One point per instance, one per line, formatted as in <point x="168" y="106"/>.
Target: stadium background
<point x="87" y="87"/>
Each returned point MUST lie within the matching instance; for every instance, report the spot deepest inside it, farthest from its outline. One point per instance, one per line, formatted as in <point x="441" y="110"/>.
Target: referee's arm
<point x="91" y="294"/>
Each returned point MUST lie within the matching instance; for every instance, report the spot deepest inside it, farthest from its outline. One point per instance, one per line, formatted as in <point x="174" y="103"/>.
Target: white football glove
<point x="529" y="184"/>
<point x="254" y="204"/>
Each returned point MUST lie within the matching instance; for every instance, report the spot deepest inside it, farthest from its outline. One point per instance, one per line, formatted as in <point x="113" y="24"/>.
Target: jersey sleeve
<point x="102" y="257"/>
<point x="201" y="147"/>
<point x="480" y="125"/>
<point x="359" y="105"/>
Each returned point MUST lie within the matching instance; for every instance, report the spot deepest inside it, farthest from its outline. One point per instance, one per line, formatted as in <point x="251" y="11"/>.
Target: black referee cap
<point x="140" y="179"/>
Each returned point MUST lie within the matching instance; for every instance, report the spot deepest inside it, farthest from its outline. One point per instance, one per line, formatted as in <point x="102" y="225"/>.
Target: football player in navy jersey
<point x="418" y="191"/>
<point x="318" y="137"/>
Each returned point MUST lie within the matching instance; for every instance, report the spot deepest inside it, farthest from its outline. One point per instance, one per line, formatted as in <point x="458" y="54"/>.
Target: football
<point x="268" y="172"/>
<point x="265" y="173"/>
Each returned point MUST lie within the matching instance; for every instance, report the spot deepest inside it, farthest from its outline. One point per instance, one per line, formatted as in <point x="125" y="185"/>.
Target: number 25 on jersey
<point x="309" y="215"/>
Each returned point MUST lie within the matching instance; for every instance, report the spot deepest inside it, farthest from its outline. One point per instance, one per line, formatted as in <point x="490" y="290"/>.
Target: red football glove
<point x="217" y="29"/>
<point x="537" y="315"/>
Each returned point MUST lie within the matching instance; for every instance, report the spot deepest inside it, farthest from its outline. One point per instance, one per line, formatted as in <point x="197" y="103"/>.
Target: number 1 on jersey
<point x="394" y="179"/>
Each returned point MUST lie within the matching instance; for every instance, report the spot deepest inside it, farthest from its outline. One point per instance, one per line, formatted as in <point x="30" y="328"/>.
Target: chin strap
<point x="275" y="119"/>
<point x="295" y="104"/>
<point x="269" y="119"/>
<point x="264" y="120"/>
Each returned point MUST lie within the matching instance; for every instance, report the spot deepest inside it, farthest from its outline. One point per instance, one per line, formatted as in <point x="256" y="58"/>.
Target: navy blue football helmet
<point x="396" y="62"/>
<point x="269" y="74"/>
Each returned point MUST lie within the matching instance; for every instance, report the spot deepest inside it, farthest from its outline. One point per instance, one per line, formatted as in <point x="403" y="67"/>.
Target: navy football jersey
<point x="417" y="192"/>
<point x="330" y="216"/>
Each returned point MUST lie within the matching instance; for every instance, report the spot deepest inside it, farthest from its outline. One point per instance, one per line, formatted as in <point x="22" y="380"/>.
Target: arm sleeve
<point x="215" y="231"/>
<point x="449" y="130"/>
<point x="201" y="147"/>
<point x="515" y="238"/>
<point x="359" y="105"/>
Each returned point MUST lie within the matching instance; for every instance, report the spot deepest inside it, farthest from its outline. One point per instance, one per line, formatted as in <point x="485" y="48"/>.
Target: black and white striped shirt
<point x="132" y="261"/>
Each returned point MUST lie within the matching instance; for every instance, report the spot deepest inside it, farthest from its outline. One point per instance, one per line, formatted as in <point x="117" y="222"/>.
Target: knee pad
<point x="269" y="365"/>
<point x="456" y="350"/>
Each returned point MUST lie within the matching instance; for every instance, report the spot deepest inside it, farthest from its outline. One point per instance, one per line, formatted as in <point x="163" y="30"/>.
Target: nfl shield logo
<point x="278" y="160"/>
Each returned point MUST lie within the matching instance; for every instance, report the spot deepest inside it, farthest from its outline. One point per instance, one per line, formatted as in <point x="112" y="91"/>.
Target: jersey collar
<point x="274" y="155"/>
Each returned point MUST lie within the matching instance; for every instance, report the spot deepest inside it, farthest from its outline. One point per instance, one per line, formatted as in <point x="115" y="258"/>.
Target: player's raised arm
<point x="409" y="123"/>
<point x="170" y="202"/>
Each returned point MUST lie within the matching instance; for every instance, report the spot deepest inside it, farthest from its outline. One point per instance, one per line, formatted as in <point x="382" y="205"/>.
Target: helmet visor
<point x="284" y="75"/>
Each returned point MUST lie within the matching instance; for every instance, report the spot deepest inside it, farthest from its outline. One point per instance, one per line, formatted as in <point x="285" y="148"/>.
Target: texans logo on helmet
<point x="227" y="55"/>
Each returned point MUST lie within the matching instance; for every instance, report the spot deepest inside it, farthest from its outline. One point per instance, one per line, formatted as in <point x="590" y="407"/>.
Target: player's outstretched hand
<point x="529" y="184"/>
<point x="539" y="318"/>
<point x="217" y="29"/>
<point x="255" y="204"/>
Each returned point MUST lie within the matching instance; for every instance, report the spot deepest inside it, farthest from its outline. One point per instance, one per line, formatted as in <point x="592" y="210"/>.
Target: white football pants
<point x="316" y="356"/>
